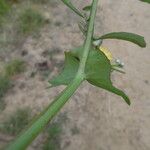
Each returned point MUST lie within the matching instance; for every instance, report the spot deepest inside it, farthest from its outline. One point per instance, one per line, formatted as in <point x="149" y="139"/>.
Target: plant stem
<point x="88" y="41"/>
<point x="38" y="125"/>
<point x="69" y="4"/>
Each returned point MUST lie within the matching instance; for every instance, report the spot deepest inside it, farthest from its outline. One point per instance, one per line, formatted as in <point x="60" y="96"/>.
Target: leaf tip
<point x="126" y="98"/>
<point x="144" y="43"/>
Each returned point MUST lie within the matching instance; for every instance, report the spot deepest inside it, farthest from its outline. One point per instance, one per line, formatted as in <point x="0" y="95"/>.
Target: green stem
<point x="38" y="125"/>
<point x="69" y="4"/>
<point x="88" y="41"/>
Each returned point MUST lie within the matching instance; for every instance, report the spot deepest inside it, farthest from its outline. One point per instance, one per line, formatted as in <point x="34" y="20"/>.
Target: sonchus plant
<point x="89" y="62"/>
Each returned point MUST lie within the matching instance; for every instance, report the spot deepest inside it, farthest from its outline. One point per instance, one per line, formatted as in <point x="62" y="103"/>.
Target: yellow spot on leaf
<point x="106" y="52"/>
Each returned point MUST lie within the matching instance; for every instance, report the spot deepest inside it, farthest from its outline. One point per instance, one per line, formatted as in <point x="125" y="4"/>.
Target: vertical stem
<point x="88" y="41"/>
<point x="38" y="125"/>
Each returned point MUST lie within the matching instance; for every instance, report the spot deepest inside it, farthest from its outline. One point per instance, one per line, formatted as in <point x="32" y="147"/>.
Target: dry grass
<point x="14" y="67"/>
<point x="16" y="122"/>
<point x="5" y="84"/>
<point x="30" y="21"/>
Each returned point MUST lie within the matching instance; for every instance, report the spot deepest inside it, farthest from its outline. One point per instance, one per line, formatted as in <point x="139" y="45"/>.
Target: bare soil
<point x="103" y="120"/>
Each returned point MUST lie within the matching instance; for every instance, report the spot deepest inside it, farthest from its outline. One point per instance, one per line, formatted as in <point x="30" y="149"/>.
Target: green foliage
<point x="53" y="140"/>
<point x="41" y="1"/>
<point x="148" y="1"/>
<point x="54" y="131"/>
<point x="131" y="37"/>
<point x="4" y="9"/>
<point x="87" y="8"/>
<point x="75" y="130"/>
<point x="4" y="86"/>
<point x="30" y="21"/>
<point x="46" y="2"/>
<point x="14" y="67"/>
<point x="82" y="28"/>
<point x="68" y="73"/>
<point x="97" y="71"/>
<point x="85" y="63"/>
<point x="16" y="122"/>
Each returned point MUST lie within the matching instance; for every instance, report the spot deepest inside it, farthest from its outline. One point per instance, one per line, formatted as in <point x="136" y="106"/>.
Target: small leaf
<point x="87" y="8"/>
<point x="147" y="1"/>
<point x="134" y="38"/>
<point x="77" y="52"/>
<point x="98" y="71"/>
<point x="83" y="27"/>
<point x="118" y="70"/>
<point x="68" y="73"/>
<point x="72" y="59"/>
<point x="72" y="7"/>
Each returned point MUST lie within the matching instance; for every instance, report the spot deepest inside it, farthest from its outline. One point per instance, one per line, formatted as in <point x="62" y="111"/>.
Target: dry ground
<point x="103" y="120"/>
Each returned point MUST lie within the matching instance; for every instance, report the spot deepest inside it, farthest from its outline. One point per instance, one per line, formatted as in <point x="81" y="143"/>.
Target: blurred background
<point x="33" y="37"/>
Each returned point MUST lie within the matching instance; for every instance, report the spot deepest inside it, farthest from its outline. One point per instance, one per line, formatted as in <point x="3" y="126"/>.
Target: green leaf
<point x="98" y="72"/>
<point x="87" y="8"/>
<point x="131" y="37"/>
<point x="72" y="7"/>
<point x="83" y="27"/>
<point x="77" y="52"/>
<point x="68" y="73"/>
<point x="147" y="1"/>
